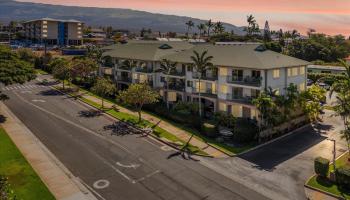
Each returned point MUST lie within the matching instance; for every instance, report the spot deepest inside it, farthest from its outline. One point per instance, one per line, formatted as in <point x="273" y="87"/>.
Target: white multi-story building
<point x="54" y="31"/>
<point x="241" y="72"/>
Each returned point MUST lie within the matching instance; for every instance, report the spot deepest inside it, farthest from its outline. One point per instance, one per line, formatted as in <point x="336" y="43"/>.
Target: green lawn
<point x="328" y="186"/>
<point x="25" y="183"/>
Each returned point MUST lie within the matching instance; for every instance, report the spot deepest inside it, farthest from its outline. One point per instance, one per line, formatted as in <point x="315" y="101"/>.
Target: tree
<point x="267" y="109"/>
<point x="310" y="101"/>
<point x="267" y="32"/>
<point x="219" y="28"/>
<point x="138" y="95"/>
<point x="342" y="107"/>
<point x="252" y="27"/>
<point x="209" y="26"/>
<point x="13" y="69"/>
<point x="166" y="67"/>
<point x="61" y="69"/>
<point x="26" y="55"/>
<point x="189" y="25"/>
<point x="201" y="63"/>
<point x="103" y="87"/>
<point x="83" y="68"/>
<point x="95" y="54"/>
<point x="201" y="28"/>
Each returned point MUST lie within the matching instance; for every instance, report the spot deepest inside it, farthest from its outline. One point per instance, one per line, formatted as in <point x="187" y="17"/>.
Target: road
<point x="115" y="167"/>
<point x="279" y="170"/>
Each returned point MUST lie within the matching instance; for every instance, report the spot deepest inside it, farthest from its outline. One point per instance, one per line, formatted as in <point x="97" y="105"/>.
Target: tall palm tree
<point x="201" y="63"/>
<point x="201" y="28"/>
<point x="166" y="67"/>
<point x="219" y="28"/>
<point x="209" y="25"/>
<point x="189" y="24"/>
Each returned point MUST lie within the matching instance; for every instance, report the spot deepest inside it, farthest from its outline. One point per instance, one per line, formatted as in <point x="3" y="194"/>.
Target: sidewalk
<point x="316" y="195"/>
<point x="181" y="134"/>
<point x="56" y="177"/>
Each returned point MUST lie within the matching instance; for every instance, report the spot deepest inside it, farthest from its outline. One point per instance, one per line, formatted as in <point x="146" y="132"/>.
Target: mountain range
<point x="116" y="17"/>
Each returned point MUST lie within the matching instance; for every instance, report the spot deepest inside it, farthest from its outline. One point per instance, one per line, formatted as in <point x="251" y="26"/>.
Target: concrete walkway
<point x="316" y="195"/>
<point x="181" y="134"/>
<point x="61" y="183"/>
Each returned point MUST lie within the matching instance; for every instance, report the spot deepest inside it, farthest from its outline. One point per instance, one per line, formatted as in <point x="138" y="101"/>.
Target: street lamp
<point x="334" y="154"/>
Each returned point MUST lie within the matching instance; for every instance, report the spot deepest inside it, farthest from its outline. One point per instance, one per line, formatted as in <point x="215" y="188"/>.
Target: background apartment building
<point x="54" y="31"/>
<point x="241" y="72"/>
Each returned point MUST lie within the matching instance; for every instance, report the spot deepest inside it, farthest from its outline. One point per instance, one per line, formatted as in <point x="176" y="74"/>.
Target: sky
<point x="326" y="16"/>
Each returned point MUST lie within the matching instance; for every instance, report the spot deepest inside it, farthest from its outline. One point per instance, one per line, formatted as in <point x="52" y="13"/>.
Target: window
<point x="223" y="71"/>
<point x="44" y="26"/>
<point x="44" y="31"/>
<point x="189" y="68"/>
<point x="302" y="87"/>
<point x="223" y="89"/>
<point x="44" y="35"/>
<point x="295" y="71"/>
<point x="237" y="75"/>
<point x="44" y="22"/>
<point x="289" y="71"/>
<point x="162" y="79"/>
<point x="256" y="74"/>
<point x="222" y="107"/>
<point x="189" y="83"/>
<point x="276" y="73"/>
<point x="302" y="70"/>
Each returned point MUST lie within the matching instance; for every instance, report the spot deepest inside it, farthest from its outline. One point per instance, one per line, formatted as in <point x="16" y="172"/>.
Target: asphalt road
<point x="279" y="170"/>
<point x="115" y="167"/>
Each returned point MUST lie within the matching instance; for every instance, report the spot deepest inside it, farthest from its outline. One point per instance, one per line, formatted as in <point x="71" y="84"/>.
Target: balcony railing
<point x="248" y="80"/>
<point x="176" y="87"/>
<point x="124" y="79"/>
<point x="205" y="92"/>
<point x="144" y="70"/>
<point x="124" y="68"/>
<point x="205" y="77"/>
<point x="239" y="98"/>
<point x="176" y="73"/>
<point x="148" y="82"/>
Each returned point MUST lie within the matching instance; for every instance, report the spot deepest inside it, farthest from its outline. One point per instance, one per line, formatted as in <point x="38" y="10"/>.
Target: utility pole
<point x="334" y="153"/>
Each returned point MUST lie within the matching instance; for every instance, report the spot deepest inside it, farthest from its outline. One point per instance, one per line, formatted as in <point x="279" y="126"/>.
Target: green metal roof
<point x="241" y="55"/>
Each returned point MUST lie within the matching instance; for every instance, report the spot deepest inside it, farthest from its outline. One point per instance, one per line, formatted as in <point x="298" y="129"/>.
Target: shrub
<point x="321" y="166"/>
<point x="5" y="192"/>
<point x="245" y="130"/>
<point x="343" y="176"/>
<point x="224" y="119"/>
<point x="209" y="129"/>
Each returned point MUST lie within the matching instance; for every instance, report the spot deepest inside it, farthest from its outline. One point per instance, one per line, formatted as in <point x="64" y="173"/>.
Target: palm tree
<point x="166" y="67"/>
<point x="219" y="28"/>
<point x="209" y="25"/>
<point x="201" y="63"/>
<point x="189" y="24"/>
<point x="201" y="28"/>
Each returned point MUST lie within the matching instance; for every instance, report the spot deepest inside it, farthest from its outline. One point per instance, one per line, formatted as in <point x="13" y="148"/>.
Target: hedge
<point x="343" y="176"/>
<point x="321" y="166"/>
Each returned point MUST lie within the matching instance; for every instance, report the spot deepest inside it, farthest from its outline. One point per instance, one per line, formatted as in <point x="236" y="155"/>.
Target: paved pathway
<point x="57" y="178"/>
<point x="181" y="134"/>
<point x="316" y="195"/>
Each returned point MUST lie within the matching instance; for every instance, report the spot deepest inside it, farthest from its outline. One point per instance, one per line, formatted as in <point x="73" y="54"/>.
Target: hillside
<point x="119" y="18"/>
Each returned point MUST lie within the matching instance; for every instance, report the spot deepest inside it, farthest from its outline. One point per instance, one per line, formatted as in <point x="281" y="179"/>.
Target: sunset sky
<point x="327" y="16"/>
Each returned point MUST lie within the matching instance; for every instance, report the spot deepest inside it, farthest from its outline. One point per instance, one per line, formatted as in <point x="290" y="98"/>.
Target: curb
<point x="149" y="135"/>
<point x="319" y="190"/>
<point x="274" y="140"/>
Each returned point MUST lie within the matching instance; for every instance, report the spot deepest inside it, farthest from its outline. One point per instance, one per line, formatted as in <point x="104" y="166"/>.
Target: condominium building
<point x="240" y="73"/>
<point x="54" y="31"/>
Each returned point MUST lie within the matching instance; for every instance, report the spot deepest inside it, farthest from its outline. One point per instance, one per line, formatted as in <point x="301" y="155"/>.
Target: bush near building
<point x="343" y="176"/>
<point x="321" y="166"/>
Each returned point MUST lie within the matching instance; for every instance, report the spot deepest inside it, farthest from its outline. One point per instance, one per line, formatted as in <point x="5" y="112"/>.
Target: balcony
<point x="122" y="67"/>
<point x="204" y="92"/>
<point x="143" y="70"/>
<point x="248" y="80"/>
<point x="148" y="82"/>
<point x="239" y="98"/>
<point x="124" y="79"/>
<point x="176" y="73"/>
<point x="205" y="77"/>
<point x="176" y="87"/>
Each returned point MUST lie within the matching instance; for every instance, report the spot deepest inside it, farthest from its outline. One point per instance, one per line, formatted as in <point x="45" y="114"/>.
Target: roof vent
<point x="260" y="48"/>
<point x="165" y="46"/>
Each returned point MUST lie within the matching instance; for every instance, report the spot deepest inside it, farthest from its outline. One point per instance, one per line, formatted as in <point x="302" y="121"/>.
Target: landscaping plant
<point x="321" y="166"/>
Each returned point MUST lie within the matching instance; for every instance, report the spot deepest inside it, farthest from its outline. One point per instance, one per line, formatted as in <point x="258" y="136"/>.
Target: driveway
<point x="280" y="169"/>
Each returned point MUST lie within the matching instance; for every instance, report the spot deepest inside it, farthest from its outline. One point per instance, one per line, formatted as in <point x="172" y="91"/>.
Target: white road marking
<point x="101" y="184"/>
<point x="134" y="166"/>
<point x="26" y="91"/>
<point x="148" y="176"/>
<point x="39" y="100"/>
<point x="91" y="189"/>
